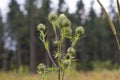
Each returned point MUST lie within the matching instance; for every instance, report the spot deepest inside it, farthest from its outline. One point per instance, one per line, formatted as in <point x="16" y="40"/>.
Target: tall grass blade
<point x="111" y="24"/>
<point x="118" y="7"/>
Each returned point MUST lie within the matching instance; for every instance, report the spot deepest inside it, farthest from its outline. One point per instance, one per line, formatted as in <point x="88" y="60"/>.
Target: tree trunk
<point x="47" y="60"/>
<point x="32" y="45"/>
<point x="19" y="55"/>
<point x="4" y="67"/>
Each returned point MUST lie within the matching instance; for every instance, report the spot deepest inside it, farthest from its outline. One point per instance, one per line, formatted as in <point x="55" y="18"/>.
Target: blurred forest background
<point x="97" y="48"/>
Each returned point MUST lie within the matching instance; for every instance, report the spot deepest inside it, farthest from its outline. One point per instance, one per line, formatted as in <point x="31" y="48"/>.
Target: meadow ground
<point x="89" y="75"/>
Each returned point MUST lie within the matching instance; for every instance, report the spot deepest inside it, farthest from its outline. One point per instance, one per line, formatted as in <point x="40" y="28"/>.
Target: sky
<point x="70" y="3"/>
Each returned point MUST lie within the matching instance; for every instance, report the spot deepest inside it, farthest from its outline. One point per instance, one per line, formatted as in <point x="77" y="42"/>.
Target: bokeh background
<point x="21" y="49"/>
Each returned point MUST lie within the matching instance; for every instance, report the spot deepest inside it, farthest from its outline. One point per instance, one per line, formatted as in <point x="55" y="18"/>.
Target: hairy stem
<point x="49" y="54"/>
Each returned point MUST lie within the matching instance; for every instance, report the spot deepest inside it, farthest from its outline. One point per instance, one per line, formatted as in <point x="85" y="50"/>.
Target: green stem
<point x="48" y="51"/>
<point x="76" y="38"/>
<point x="51" y="58"/>
<point x="56" y="36"/>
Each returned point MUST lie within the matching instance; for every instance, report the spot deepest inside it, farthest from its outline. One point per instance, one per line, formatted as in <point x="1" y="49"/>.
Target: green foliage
<point x="106" y="65"/>
<point x="62" y="60"/>
<point x="17" y="31"/>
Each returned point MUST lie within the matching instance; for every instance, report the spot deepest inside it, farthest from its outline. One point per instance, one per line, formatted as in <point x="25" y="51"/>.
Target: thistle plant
<point x="60" y="58"/>
<point x="112" y="26"/>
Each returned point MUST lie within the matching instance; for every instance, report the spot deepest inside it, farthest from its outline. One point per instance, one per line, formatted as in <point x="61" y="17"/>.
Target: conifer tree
<point x="91" y="36"/>
<point x="43" y="13"/>
<point x="60" y="6"/>
<point x="79" y="12"/>
<point x="1" y="41"/>
<point x="15" y="20"/>
<point x="31" y="14"/>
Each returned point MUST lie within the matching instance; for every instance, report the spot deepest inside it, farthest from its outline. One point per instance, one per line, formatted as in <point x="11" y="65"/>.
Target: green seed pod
<point x="79" y="30"/>
<point x="41" y="27"/>
<point x="52" y="17"/>
<point x="71" y="50"/>
<point x="60" y="20"/>
<point x="41" y="68"/>
<point x="66" y="23"/>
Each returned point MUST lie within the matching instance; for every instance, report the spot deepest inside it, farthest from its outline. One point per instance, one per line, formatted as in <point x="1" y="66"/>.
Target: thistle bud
<point x="79" y="30"/>
<point x="41" y="27"/>
<point x="62" y="16"/>
<point x="41" y="68"/>
<point x="62" y="22"/>
<point x="52" y="17"/>
<point x="66" y="23"/>
<point x="66" y="63"/>
<point x="71" y="50"/>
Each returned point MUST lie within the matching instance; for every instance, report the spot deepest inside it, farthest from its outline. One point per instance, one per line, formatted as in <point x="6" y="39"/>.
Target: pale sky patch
<point x="69" y="3"/>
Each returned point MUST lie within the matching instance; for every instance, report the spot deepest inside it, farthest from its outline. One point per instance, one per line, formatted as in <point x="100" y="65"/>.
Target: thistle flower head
<point x="41" y="27"/>
<point x="41" y="68"/>
<point x="79" y="30"/>
<point x="71" y="50"/>
<point x="63" y="21"/>
<point x="52" y="17"/>
<point x="66" y="23"/>
<point x="66" y="63"/>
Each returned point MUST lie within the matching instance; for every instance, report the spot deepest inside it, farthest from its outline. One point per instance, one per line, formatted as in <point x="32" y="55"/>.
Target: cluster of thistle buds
<point x="63" y="24"/>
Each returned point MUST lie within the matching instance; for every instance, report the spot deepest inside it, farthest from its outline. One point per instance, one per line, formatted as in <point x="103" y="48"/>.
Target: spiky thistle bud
<point x="66" y="23"/>
<point x="41" y="27"/>
<point x="66" y="63"/>
<point x="71" y="50"/>
<point x="41" y="68"/>
<point x="79" y="30"/>
<point x="52" y="17"/>
<point x="63" y="21"/>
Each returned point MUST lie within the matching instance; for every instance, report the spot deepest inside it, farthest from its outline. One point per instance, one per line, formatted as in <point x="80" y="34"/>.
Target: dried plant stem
<point x="118" y="7"/>
<point x="118" y="42"/>
<point x="111" y="23"/>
